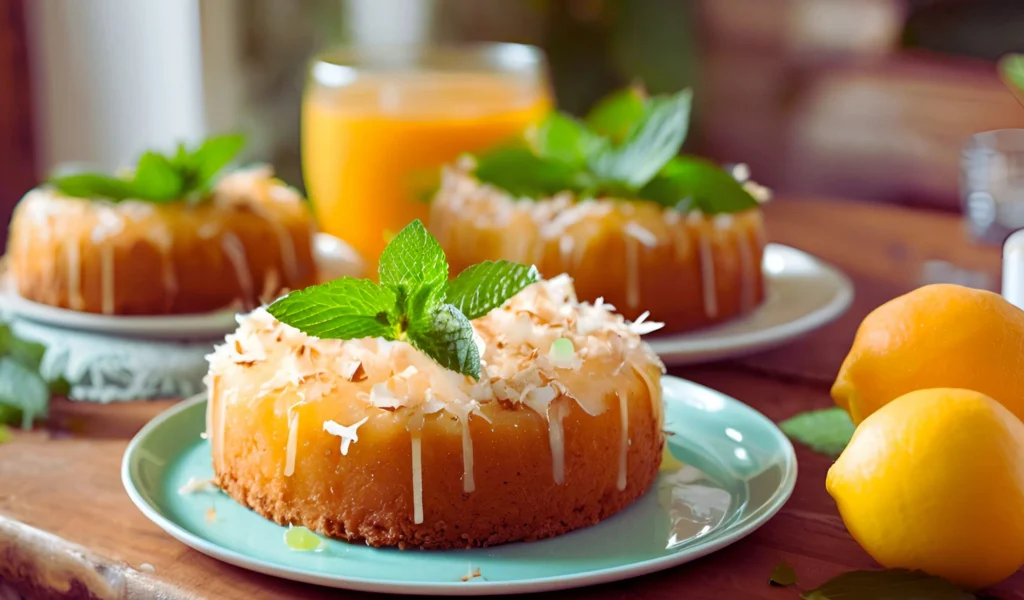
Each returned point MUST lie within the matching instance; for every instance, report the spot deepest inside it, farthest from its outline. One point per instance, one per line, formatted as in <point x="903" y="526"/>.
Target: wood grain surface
<point x="67" y="481"/>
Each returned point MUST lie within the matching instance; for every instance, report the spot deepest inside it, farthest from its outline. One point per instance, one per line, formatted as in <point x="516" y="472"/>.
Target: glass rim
<point x="1009" y="139"/>
<point x="341" y="65"/>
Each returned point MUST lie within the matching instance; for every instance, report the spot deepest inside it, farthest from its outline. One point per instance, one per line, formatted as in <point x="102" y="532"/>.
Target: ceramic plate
<point x="739" y="471"/>
<point x="333" y="258"/>
<point x="802" y="294"/>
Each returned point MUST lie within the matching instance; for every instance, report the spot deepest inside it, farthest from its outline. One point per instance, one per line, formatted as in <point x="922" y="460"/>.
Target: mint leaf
<point x="783" y="575"/>
<point x="23" y="389"/>
<point x="560" y="137"/>
<point x="826" y="431"/>
<point x="446" y="335"/>
<point x="652" y="141"/>
<point x="891" y="584"/>
<point x="5" y="433"/>
<point x="93" y="185"/>
<point x="413" y="259"/>
<point x="345" y="308"/>
<point x="483" y="287"/>
<point x="156" y="179"/>
<point x="522" y="173"/>
<point x="1011" y="70"/>
<point x="28" y="353"/>
<point x="213" y="155"/>
<point x="615" y="115"/>
<point x="689" y="181"/>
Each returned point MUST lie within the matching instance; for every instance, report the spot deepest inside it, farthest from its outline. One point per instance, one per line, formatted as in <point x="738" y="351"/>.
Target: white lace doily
<point x="104" y="368"/>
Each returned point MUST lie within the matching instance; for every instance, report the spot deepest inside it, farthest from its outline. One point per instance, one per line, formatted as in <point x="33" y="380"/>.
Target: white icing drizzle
<point x="235" y="251"/>
<point x="74" y="267"/>
<point x="565" y="247"/>
<point x="348" y="434"/>
<point x="624" y="440"/>
<point x="416" y="431"/>
<point x="707" y="274"/>
<point x="107" y="278"/>
<point x="220" y="425"/>
<point x="556" y="438"/>
<point x="285" y="244"/>
<point x="293" y="442"/>
<point x="468" y="482"/>
<point x="747" y="274"/>
<point x="632" y="273"/>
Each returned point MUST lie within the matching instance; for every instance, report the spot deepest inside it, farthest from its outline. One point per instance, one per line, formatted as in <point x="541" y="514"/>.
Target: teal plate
<point x="739" y="471"/>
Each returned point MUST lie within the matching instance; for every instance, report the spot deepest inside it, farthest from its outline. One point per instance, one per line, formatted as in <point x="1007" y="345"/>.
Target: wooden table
<point x="69" y="485"/>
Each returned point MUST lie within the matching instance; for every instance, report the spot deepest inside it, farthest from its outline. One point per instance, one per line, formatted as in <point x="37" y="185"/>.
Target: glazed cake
<point x="689" y="269"/>
<point x="370" y="440"/>
<point x="248" y="242"/>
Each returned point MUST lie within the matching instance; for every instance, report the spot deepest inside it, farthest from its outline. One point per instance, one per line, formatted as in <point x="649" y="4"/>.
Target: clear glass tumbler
<point x="379" y="122"/>
<point x="992" y="184"/>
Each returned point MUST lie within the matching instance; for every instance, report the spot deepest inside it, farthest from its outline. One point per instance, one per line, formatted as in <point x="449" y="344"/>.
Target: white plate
<point x="333" y="258"/>
<point x="802" y="294"/>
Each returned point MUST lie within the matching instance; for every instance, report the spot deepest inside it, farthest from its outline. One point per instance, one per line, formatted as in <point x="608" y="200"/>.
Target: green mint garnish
<point x="1011" y="70"/>
<point x="627" y="148"/>
<point x="826" y="431"/>
<point x="186" y="175"/>
<point x="414" y="301"/>
<point x="782" y="575"/>
<point x="24" y="393"/>
<point x="894" y="584"/>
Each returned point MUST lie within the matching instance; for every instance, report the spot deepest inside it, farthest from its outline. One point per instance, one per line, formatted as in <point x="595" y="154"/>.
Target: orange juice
<point x="372" y="149"/>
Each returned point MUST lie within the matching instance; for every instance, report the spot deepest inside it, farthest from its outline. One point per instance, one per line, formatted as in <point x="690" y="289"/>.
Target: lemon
<point x="934" y="480"/>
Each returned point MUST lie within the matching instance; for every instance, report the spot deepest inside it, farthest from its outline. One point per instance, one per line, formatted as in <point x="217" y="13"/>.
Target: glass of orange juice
<point x="378" y="123"/>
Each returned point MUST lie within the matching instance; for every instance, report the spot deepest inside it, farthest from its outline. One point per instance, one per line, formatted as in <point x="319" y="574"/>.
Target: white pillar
<point x="113" y="78"/>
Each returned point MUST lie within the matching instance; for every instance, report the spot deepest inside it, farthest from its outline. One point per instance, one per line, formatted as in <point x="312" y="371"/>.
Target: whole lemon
<point x="936" y="336"/>
<point x="934" y="481"/>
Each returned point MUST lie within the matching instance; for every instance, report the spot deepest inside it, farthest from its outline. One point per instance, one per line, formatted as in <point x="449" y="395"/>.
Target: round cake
<point x="370" y="440"/>
<point x="688" y="269"/>
<point x="248" y="242"/>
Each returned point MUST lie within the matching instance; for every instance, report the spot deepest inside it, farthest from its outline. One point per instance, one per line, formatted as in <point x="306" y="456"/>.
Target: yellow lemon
<point x="938" y="336"/>
<point x="934" y="481"/>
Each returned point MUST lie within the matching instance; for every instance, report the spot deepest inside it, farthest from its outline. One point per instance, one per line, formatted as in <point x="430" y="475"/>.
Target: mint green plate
<point x="740" y="470"/>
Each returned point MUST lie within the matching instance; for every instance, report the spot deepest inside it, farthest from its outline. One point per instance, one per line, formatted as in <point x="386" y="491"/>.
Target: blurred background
<point x="863" y="99"/>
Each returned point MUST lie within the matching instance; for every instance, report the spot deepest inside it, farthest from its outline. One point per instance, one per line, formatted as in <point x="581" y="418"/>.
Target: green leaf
<point x="690" y="181"/>
<point x="93" y="185"/>
<point x="783" y="575"/>
<point x="156" y="179"/>
<point x="651" y="143"/>
<point x="212" y="156"/>
<point x="26" y="352"/>
<point x="826" y="431"/>
<point x="412" y="260"/>
<point x="5" y="433"/>
<point x="562" y="138"/>
<point x="485" y="286"/>
<point x="23" y="389"/>
<point x="891" y="584"/>
<point x="524" y="174"/>
<point x="446" y="336"/>
<point x="616" y="114"/>
<point x="345" y="308"/>
<point x="59" y="387"/>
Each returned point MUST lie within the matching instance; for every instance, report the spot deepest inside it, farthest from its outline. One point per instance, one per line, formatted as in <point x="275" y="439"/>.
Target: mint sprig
<point x="24" y="393"/>
<point x="627" y="148"/>
<point x="158" y="178"/>
<point x="414" y="302"/>
<point x="826" y="431"/>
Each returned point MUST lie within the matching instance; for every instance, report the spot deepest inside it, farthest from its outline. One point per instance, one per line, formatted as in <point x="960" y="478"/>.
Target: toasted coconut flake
<point x="347" y="434"/>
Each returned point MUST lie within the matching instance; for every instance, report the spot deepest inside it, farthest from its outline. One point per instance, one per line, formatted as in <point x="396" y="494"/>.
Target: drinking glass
<point x="992" y="184"/>
<point x="379" y="122"/>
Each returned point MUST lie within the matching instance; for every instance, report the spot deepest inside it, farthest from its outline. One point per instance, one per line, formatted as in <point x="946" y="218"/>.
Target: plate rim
<point x="737" y="345"/>
<point x="730" y="535"/>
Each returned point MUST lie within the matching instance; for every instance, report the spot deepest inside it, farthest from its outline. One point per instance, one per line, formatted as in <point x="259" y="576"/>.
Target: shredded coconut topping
<point x="347" y="434"/>
<point x="516" y="364"/>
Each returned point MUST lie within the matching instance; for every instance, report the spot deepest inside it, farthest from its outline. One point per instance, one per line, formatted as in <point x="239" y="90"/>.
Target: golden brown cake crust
<point x="252" y="241"/>
<point x="370" y="440"/>
<point x="688" y="270"/>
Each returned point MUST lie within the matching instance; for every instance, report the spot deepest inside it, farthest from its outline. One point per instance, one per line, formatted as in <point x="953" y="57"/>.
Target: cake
<point x="369" y="440"/>
<point x="247" y="241"/>
<point x="688" y="269"/>
<point x="609" y="202"/>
